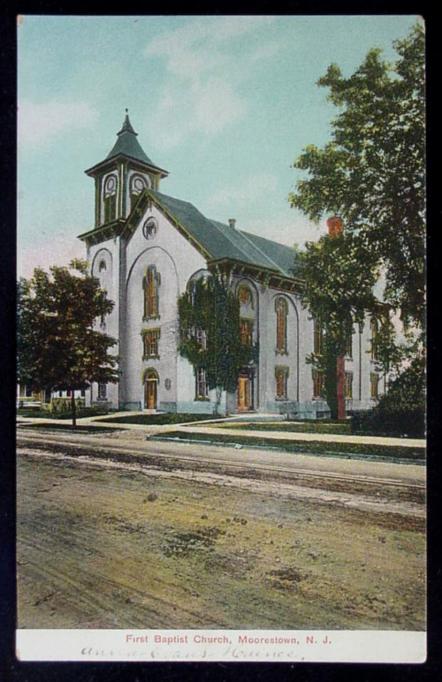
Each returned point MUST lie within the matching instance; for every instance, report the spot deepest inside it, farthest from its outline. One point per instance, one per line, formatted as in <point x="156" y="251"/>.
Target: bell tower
<point x="122" y="176"/>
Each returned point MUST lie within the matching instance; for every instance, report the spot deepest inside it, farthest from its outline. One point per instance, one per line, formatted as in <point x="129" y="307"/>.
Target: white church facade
<point x="146" y="247"/>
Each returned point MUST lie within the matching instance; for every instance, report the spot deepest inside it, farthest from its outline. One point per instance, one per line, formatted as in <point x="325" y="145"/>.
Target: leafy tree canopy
<point x="371" y="173"/>
<point x="210" y="333"/>
<point x="57" y="345"/>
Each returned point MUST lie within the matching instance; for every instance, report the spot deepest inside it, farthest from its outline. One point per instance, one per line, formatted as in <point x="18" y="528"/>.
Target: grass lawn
<point x="166" y="418"/>
<point x="415" y="455"/>
<point x="292" y="427"/>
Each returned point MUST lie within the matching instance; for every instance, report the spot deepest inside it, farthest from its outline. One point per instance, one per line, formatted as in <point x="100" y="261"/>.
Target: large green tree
<point x="210" y="333"/>
<point x="339" y="275"/>
<point x="372" y="172"/>
<point x="58" y="346"/>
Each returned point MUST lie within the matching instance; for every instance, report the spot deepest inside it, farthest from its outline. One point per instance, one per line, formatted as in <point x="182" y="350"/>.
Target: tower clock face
<point x="110" y="184"/>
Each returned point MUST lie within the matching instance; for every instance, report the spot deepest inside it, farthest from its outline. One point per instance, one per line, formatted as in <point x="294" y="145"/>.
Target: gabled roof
<point x="215" y="240"/>
<point x="225" y="242"/>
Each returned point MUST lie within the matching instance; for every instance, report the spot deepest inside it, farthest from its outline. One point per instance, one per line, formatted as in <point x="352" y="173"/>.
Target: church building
<point x="147" y="247"/>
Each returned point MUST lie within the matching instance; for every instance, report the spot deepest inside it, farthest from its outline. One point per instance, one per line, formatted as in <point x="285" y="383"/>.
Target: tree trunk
<point x="74" y="409"/>
<point x="331" y="386"/>
<point x="340" y="386"/>
<point x="218" y="393"/>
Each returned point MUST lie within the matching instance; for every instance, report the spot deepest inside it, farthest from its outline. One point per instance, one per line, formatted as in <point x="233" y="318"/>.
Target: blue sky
<point x="225" y="104"/>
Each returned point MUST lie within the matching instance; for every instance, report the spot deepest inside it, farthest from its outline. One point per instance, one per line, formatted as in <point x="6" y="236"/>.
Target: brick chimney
<point x="232" y="222"/>
<point x="335" y="226"/>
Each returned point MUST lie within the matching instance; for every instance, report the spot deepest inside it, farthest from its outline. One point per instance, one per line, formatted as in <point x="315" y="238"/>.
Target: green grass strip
<point x="315" y="447"/>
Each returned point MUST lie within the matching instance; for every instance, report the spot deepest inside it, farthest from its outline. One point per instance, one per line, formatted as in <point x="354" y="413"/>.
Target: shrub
<point x="401" y="411"/>
<point x="61" y="405"/>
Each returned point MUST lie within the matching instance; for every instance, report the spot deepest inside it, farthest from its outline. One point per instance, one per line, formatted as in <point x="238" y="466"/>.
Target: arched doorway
<point x="151" y="380"/>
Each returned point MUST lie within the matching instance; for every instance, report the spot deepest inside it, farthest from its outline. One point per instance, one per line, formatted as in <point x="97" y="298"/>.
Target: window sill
<point x="151" y="357"/>
<point x="281" y="400"/>
<point x="281" y="352"/>
<point x="151" y="317"/>
<point x="202" y="400"/>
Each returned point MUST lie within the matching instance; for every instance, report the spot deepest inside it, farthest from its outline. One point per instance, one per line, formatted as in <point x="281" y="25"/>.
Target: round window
<point x="150" y="228"/>
<point x="138" y="183"/>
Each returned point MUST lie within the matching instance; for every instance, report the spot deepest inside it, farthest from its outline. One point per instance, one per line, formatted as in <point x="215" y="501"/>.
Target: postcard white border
<point x="328" y="646"/>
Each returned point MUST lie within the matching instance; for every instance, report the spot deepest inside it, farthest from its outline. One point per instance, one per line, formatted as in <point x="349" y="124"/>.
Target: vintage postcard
<point x="221" y="339"/>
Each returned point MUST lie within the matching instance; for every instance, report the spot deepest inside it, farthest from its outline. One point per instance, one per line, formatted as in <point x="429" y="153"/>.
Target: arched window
<point x="374" y="329"/>
<point x="102" y="266"/>
<point x="110" y="198"/>
<point x="245" y="295"/>
<point x="318" y="336"/>
<point x="281" y="308"/>
<point x="151" y="299"/>
<point x="137" y="184"/>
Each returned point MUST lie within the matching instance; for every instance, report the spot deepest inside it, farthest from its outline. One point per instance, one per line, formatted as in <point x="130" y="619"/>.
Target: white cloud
<point x="196" y="47"/>
<point x="204" y="108"/>
<point x="40" y="123"/>
<point x="58" y="250"/>
<point x="202" y="94"/>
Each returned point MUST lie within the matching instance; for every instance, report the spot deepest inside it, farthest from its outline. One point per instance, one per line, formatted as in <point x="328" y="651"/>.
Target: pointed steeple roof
<point x="127" y="144"/>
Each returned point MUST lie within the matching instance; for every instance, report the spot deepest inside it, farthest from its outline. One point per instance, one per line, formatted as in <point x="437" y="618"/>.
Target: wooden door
<point x="244" y="393"/>
<point x="151" y="394"/>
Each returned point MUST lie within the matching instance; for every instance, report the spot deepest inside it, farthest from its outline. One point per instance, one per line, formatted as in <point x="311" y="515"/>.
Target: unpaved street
<point x="107" y="541"/>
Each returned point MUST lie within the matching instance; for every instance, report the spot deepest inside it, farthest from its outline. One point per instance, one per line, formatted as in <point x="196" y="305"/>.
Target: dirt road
<point x="108" y="541"/>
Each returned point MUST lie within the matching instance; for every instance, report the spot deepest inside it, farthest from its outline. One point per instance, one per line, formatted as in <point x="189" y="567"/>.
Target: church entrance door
<point x="150" y="391"/>
<point x="244" y="393"/>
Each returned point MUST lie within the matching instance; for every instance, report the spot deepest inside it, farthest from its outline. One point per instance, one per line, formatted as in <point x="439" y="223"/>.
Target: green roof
<point x="128" y="145"/>
<point x="223" y="241"/>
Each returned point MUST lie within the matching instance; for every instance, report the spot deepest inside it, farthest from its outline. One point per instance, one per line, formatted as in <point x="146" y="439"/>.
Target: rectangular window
<point x="349" y="344"/>
<point x="374" y="328"/>
<point x="133" y="199"/>
<point x="318" y="334"/>
<point x="28" y="392"/>
<point x="151" y="338"/>
<point x="102" y="391"/>
<point x="318" y="383"/>
<point x="348" y="385"/>
<point x="201" y="388"/>
<point x="281" y="376"/>
<point x="109" y="208"/>
<point x="246" y="332"/>
<point x="83" y="393"/>
<point x="374" y="385"/>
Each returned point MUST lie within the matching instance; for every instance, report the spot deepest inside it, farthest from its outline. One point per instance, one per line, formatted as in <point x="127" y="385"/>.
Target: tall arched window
<point x="245" y="295"/>
<point x="318" y="336"/>
<point x="151" y="299"/>
<point x="110" y="198"/>
<point x="281" y="308"/>
<point x="374" y="330"/>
